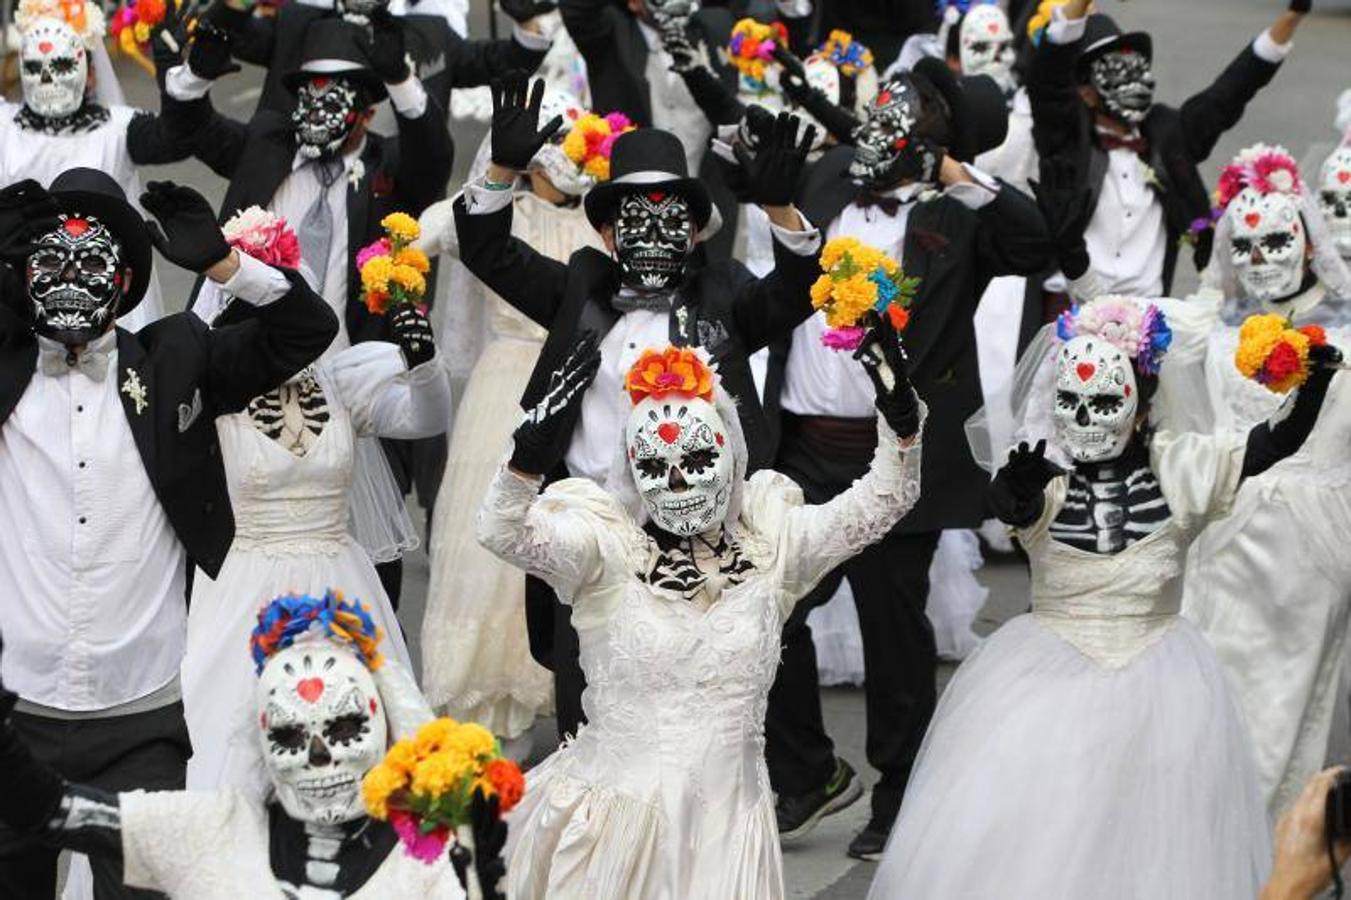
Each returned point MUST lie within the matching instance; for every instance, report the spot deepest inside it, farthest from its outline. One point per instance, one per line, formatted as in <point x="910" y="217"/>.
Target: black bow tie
<point x="868" y="199"/>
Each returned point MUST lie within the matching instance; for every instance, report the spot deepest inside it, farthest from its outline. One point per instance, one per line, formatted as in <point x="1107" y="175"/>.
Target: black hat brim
<point x="368" y="80"/>
<point x="600" y="202"/>
<point x="126" y="224"/>
<point x="980" y="120"/>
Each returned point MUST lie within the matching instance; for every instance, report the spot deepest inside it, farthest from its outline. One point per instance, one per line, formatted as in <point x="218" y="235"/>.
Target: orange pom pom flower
<point x="675" y="370"/>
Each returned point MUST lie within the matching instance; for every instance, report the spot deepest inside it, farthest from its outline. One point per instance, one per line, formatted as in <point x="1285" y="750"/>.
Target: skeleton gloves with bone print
<point x="413" y="333"/>
<point x="542" y="438"/>
<point x="884" y="360"/>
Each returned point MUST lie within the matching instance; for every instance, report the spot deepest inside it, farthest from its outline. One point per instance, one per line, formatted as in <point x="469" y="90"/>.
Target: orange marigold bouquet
<point x="1272" y="352"/>
<point x="858" y="280"/>
<point x="392" y="272"/>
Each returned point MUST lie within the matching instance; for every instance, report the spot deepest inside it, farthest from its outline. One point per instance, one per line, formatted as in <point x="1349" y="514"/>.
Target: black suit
<point x="721" y="308"/>
<point x="955" y="252"/>
<point x="1179" y="138"/>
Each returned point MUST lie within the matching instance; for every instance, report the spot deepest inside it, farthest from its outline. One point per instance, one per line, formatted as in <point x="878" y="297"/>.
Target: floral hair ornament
<point x="858" y="279"/>
<point x="263" y="235"/>
<point x="675" y="370"/>
<point x="1265" y="169"/>
<point x="591" y="139"/>
<point x="1274" y="353"/>
<point x="286" y="619"/>
<point x="84" y="17"/>
<point x="1140" y="330"/>
<point x="752" y="46"/>
<point x="425" y="785"/>
<point x="845" y="53"/>
<point x="392" y="272"/>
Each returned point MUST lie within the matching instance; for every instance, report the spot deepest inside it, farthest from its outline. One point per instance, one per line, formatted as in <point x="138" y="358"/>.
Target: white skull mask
<point x="1096" y="399"/>
<point x="1334" y="194"/>
<point x="1267" y="249"/>
<point x="681" y="461"/>
<point x="986" y="44"/>
<point x="323" y="727"/>
<point x="54" y="68"/>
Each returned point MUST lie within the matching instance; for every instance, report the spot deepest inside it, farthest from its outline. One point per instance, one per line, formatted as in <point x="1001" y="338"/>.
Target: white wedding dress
<point x="291" y="536"/>
<point x="665" y="794"/>
<point x="1092" y="748"/>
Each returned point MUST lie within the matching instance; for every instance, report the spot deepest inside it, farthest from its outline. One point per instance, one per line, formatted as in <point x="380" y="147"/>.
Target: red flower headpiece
<point x="1267" y="170"/>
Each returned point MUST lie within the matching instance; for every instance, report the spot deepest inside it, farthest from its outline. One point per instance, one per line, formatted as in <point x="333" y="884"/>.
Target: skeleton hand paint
<point x="326" y="111"/>
<point x="1096" y="399"/>
<point x="1126" y="84"/>
<point x="1268" y="244"/>
<point x="542" y="439"/>
<point x="985" y="45"/>
<point x="1334" y="195"/>
<point x="75" y="280"/>
<point x="54" y="69"/>
<point x="681" y="463"/>
<point x="360" y="10"/>
<point x="654" y="235"/>
<point x="886" y="151"/>
<point x="323" y="727"/>
<point x="671" y="13"/>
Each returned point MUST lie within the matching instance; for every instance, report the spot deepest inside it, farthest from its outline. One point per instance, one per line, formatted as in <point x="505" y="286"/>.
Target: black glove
<point x="676" y="41"/>
<point x="793" y="83"/>
<point x="516" y="135"/>
<point x="1018" y="489"/>
<point x="1301" y="6"/>
<point x="414" y="334"/>
<point x="209" y="56"/>
<point x="30" y="791"/>
<point x="772" y="172"/>
<point x="884" y="359"/>
<point x="1325" y="357"/>
<point x="525" y="10"/>
<point x="490" y="836"/>
<point x="386" y="48"/>
<point x="1067" y="205"/>
<point x="27" y="212"/>
<point x="187" y="234"/>
<point x="169" y="38"/>
<point x="542" y="439"/>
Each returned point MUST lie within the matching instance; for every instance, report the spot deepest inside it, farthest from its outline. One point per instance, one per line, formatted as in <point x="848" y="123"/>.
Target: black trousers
<point x="120" y="753"/>
<point x="890" y="583"/>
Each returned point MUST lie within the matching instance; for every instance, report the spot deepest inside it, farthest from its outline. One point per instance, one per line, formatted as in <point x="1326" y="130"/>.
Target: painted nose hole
<point x="676" y="481"/>
<point x="319" y="755"/>
<point x="1081" y="417"/>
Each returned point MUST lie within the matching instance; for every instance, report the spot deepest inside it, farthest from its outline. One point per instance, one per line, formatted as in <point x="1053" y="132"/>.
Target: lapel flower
<point x="355" y="174"/>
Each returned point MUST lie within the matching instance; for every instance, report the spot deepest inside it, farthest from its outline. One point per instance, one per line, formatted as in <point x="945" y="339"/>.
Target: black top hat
<point x="334" y="46"/>
<point x="980" y="113"/>
<point x="90" y="192"/>
<point x="1102" y="35"/>
<point x="649" y="159"/>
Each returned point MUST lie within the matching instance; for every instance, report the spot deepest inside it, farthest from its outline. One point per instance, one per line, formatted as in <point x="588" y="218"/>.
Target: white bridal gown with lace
<point x="665" y="794"/>
<point x="1092" y="748"/>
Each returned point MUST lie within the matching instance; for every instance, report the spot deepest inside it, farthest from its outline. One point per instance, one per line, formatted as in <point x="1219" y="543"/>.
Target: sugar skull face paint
<point x="985" y="44"/>
<point x="1334" y="196"/>
<point x="326" y="111"/>
<point x="1125" y="82"/>
<point x="886" y="150"/>
<point x="54" y="69"/>
<point x="75" y="280"/>
<point x="681" y="462"/>
<point x="654" y="234"/>
<point x="1096" y="399"/>
<point x="1268" y="245"/>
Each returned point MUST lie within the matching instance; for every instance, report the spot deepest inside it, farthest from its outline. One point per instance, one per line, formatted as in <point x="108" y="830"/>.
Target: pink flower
<point x="264" y="236"/>
<point x="370" y="251"/>
<point x="424" y="847"/>
<point x="846" y="337"/>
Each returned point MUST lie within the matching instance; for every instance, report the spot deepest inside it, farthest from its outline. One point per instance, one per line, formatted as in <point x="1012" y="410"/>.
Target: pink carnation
<point x="424" y="847"/>
<point x="370" y="251"/>
<point x="1119" y="322"/>
<point x="263" y="235"/>
<point x="846" y="337"/>
<point x="1265" y="169"/>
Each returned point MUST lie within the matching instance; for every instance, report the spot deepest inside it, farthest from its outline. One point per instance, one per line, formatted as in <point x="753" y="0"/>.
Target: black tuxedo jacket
<point x="1179" y="138"/>
<point x="444" y="60"/>
<point x="401" y="174"/>
<point x="721" y="308"/>
<point x="191" y="374"/>
<point x="954" y="252"/>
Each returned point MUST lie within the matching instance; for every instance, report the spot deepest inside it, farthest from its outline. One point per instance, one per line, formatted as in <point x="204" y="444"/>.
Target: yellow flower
<point x="410" y="279"/>
<point x="402" y="757"/>
<point x="854" y="296"/>
<point x="834" y="251"/>
<point x="598" y="167"/>
<point x="376" y="273"/>
<point x="142" y="32"/>
<point x="401" y="226"/>
<point x="821" y="291"/>
<point x="1257" y="336"/>
<point x="381" y="782"/>
<point x="473" y="741"/>
<point x="441" y="772"/>
<point x="574" y="144"/>
<point x="415" y="258"/>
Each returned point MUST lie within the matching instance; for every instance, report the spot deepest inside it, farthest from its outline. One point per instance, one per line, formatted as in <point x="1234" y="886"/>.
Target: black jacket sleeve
<point x="1218" y="108"/>
<point x="1013" y="238"/>
<point x="252" y="38"/>
<point x="477" y="62"/>
<point x="153" y="140"/>
<point x="768" y="308"/>
<point x="589" y="24"/>
<point x="530" y="281"/>
<point x="192" y="127"/>
<point x="425" y="157"/>
<point x="717" y="102"/>
<point x="1058" y="112"/>
<point x="1271" y="442"/>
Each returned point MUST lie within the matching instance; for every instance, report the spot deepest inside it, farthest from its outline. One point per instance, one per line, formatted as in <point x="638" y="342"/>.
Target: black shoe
<point x="870" y="842"/>
<point x="799" y="815"/>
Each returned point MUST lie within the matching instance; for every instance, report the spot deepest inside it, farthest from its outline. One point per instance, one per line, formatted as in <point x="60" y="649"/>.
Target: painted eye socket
<point x="345" y="729"/>
<point x="1242" y="246"/>
<point x="290" y="738"/>
<point x="697" y="462"/>
<point x="63" y="66"/>
<point x="1067" y="399"/>
<point x="94" y="264"/>
<point x="32" y="67"/>
<point x="1277" y="241"/>
<point x="47" y="262"/>
<point x="980" y="46"/>
<point x="651" y="467"/>
<point x="1106" y="404"/>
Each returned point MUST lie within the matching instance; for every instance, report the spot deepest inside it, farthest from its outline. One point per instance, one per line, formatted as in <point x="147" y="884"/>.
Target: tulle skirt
<point x="1047" y="777"/>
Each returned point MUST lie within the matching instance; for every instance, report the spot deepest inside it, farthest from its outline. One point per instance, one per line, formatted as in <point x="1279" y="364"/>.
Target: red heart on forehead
<point x="1344" y="176"/>
<point x="310" y="689"/>
<point x="1085" y="371"/>
<point x="993" y="27"/>
<point x="45" y="47"/>
<point x="668" y="432"/>
<point x="1252" y="219"/>
<point x="656" y="196"/>
<point x="75" y="227"/>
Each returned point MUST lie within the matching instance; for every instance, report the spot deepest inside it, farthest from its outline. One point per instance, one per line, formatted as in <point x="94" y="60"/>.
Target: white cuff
<point x="408" y="97"/>
<point x="1268" y="50"/>
<point x="256" y="282"/>
<point x="794" y="9"/>
<point x="482" y="201"/>
<point x="1063" y="30"/>
<point x="800" y="243"/>
<point x="183" y="84"/>
<point x="974" y="196"/>
<point x="529" y="39"/>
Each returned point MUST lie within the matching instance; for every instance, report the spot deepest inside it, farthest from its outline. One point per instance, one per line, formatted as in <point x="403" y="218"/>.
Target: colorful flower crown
<point x="287" y="618"/>
<point x="675" y="370"/>
<point x="1139" y="331"/>
<point x="84" y="17"/>
<point x="1274" y="353"/>
<point x="845" y="53"/>
<point x="1265" y="169"/>
<point x="858" y="279"/>
<point x="751" y="48"/>
<point x="591" y="139"/>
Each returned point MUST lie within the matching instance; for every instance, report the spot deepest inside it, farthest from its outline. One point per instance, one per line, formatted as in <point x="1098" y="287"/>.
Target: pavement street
<point x="1194" y="39"/>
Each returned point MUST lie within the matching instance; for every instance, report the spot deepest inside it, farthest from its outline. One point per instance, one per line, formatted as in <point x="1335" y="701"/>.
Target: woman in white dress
<point x="289" y="459"/>
<point x="664" y="793"/>
<point x="1092" y="748"/>
<point x="476" y="661"/>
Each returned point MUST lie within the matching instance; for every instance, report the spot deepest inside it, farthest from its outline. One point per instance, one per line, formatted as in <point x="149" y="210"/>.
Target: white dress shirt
<point x="819" y="381"/>
<point x="91" y="572"/>
<point x="673" y="106"/>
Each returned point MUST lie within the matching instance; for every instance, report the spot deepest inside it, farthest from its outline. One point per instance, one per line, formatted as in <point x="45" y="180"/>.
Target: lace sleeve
<point x="386" y="399"/>
<point x="539" y="533"/>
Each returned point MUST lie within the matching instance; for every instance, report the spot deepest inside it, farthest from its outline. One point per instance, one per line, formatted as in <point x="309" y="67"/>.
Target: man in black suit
<point x="651" y="215"/>
<point x="111" y="482"/>
<point x="1093" y="113"/>
<point x="917" y="139"/>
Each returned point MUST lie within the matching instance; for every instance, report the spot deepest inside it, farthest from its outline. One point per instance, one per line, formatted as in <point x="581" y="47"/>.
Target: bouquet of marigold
<point x="425" y="785"/>
<point x="134" y="23"/>
<point x="263" y="235"/>
<point x="847" y="54"/>
<point x="752" y="46"/>
<point x="392" y="272"/>
<point x="1274" y="353"/>
<point x="859" y="279"/>
<point x="590" y="140"/>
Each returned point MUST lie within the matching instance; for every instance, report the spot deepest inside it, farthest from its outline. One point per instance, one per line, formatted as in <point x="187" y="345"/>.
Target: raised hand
<point x="516" y="135"/>
<point x="386" y="48"/>
<point x="1067" y="204"/>
<point x="27" y="212"/>
<point x="1325" y="356"/>
<point x="675" y="40"/>
<point x="793" y="83"/>
<point x="524" y="10"/>
<point x="209" y="55"/>
<point x="1017" y="492"/>
<point x="490" y="836"/>
<point x="169" y="38"/>
<point x="772" y="171"/>
<point x="883" y="357"/>
<point x="413" y="333"/>
<point x="542" y="438"/>
<point x="187" y="233"/>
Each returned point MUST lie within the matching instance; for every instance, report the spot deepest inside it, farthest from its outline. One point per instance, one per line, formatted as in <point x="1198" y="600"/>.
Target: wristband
<point x="498" y="185"/>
